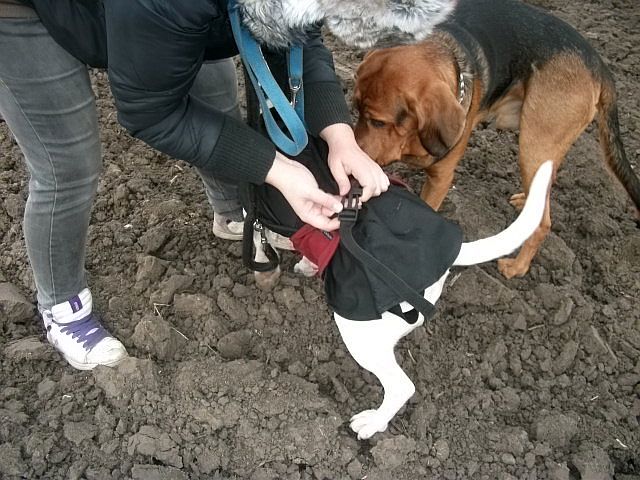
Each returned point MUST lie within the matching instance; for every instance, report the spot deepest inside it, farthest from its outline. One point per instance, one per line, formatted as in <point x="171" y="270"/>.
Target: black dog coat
<point x="405" y="248"/>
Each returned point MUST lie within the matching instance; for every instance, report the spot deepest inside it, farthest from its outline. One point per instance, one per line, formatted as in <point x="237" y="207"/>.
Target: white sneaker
<point x="74" y="330"/>
<point x="227" y="229"/>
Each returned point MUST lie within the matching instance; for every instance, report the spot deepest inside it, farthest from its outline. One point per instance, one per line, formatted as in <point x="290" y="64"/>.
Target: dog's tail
<point x="614" y="153"/>
<point x="519" y="231"/>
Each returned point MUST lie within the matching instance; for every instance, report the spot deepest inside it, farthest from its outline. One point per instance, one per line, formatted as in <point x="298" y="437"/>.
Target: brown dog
<point x="498" y="61"/>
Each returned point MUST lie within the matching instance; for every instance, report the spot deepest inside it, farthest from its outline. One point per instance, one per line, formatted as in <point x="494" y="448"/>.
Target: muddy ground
<point x="532" y="378"/>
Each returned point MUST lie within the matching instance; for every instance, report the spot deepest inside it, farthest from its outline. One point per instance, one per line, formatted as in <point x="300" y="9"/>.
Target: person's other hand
<point x="301" y="190"/>
<point x="347" y="158"/>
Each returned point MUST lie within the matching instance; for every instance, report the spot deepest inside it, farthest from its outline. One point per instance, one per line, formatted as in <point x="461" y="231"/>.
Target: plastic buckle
<point x="350" y="205"/>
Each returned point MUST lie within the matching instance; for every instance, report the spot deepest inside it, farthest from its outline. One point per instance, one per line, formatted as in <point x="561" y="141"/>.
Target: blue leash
<point x="267" y="89"/>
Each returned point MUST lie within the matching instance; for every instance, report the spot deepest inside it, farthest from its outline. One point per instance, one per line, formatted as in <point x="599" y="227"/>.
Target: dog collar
<point x="465" y="88"/>
<point x="461" y="88"/>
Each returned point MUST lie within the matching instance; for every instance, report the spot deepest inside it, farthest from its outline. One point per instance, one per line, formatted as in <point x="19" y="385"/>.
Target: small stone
<point x="153" y="442"/>
<point x="593" y="463"/>
<point x="595" y="345"/>
<point x="77" y="469"/>
<point x="298" y="368"/>
<point x="441" y="449"/>
<point x="508" y="459"/>
<point x="557" y="471"/>
<point x="354" y="469"/>
<point x="241" y="291"/>
<point x="564" y="361"/>
<point x="28" y="348"/>
<point x="392" y="453"/>
<point x="79" y="432"/>
<point x="46" y="388"/>
<point x="555" y="429"/>
<point x="11" y="463"/>
<point x="156" y="336"/>
<point x="193" y="306"/>
<point x="150" y="269"/>
<point x="289" y="297"/>
<point x="629" y="379"/>
<point x="235" y="345"/>
<point x="520" y="322"/>
<point x="119" y="383"/>
<point x="154" y="238"/>
<point x="14" y="205"/>
<point x="564" y="311"/>
<point x="530" y="460"/>
<point x="542" y="450"/>
<point x="13" y="305"/>
<point x="234" y="309"/>
<point x="169" y="287"/>
<point x="156" y="472"/>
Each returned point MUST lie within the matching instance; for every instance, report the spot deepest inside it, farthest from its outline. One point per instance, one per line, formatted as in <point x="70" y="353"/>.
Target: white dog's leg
<point x="371" y="344"/>
<point x="305" y="267"/>
<point x="264" y="280"/>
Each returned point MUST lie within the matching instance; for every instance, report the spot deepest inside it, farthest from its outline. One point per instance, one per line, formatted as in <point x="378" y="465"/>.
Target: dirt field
<point x="533" y="378"/>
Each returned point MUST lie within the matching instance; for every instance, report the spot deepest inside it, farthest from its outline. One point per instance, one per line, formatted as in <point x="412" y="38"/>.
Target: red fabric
<point x="398" y="181"/>
<point x="317" y="245"/>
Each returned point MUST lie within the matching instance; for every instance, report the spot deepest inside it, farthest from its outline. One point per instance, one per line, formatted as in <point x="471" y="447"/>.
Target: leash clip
<point x="295" y="85"/>
<point x="258" y="227"/>
<point x="350" y="205"/>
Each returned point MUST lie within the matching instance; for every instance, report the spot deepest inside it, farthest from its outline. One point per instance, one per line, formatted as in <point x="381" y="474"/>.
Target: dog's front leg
<point x="371" y="344"/>
<point x="264" y="280"/>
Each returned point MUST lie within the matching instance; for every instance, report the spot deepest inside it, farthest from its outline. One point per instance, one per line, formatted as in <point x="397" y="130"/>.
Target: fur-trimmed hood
<point x="358" y="23"/>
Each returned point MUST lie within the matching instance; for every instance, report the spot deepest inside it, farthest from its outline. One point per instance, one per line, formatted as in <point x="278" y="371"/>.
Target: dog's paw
<point x="511" y="267"/>
<point x="305" y="267"/>
<point x="518" y="200"/>
<point x="367" y="423"/>
<point x="267" y="280"/>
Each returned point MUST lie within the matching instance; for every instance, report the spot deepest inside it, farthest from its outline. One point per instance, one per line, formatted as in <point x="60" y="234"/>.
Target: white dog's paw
<point x="367" y="423"/>
<point x="267" y="281"/>
<point x="305" y="267"/>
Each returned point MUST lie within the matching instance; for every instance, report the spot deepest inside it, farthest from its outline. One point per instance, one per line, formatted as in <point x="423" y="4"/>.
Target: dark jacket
<point x="154" y="49"/>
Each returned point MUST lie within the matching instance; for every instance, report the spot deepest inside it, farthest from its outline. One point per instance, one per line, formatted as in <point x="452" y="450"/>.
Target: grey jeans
<point x="47" y="103"/>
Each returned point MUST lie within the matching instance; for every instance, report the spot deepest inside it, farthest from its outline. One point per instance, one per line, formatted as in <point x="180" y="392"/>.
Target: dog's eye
<point x="377" y="123"/>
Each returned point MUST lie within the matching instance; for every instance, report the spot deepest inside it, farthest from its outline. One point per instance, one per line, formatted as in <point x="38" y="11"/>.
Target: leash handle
<point x="250" y="225"/>
<point x="267" y="89"/>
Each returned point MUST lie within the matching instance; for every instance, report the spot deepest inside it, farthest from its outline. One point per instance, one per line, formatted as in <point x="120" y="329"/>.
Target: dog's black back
<point x="514" y="38"/>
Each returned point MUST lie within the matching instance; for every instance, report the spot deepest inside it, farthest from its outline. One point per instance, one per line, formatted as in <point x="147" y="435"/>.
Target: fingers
<point x="329" y="212"/>
<point x="378" y="184"/>
<point x="325" y="223"/>
<point x="321" y="210"/>
<point x="325" y="201"/>
<point x="341" y="177"/>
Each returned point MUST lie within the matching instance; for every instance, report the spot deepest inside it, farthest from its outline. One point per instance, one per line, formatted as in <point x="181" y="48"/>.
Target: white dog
<point x="371" y="343"/>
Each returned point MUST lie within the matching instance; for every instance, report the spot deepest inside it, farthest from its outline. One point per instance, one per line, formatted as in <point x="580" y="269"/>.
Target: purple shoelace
<point x="87" y="331"/>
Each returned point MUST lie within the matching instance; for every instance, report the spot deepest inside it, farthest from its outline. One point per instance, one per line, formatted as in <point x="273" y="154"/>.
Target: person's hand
<point x="301" y="190"/>
<point x="347" y="158"/>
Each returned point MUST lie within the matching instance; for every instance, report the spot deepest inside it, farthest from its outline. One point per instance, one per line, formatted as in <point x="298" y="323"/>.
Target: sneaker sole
<point x="226" y="235"/>
<point x="91" y="366"/>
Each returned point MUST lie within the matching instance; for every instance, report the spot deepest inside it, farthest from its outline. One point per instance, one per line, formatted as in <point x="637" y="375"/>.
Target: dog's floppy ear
<point x="441" y="120"/>
<point x="364" y="72"/>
